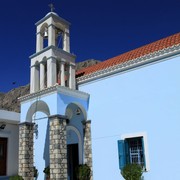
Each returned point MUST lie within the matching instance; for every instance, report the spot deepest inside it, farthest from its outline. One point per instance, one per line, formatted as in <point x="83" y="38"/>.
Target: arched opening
<point x="75" y="132"/>
<point x="35" y="107"/>
<point x="44" y="34"/>
<point x="59" y="38"/>
<point x="58" y="70"/>
<point x="38" y="114"/>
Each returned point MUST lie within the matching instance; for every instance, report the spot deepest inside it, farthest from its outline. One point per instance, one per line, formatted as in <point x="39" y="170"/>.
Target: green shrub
<point x="47" y="171"/>
<point x="17" y="177"/>
<point x="83" y="172"/>
<point x="132" y="172"/>
<point x="35" y="172"/>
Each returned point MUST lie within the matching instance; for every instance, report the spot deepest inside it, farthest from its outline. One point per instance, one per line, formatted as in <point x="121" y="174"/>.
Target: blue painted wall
<point x="142" y="100"/>
<point x="53" y="104"/>
<point x="56" y="104"/>
<point x="41" y="145"/>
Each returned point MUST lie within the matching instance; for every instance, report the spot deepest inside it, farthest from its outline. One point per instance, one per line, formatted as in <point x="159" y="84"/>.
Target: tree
<point x="132" y="172"/>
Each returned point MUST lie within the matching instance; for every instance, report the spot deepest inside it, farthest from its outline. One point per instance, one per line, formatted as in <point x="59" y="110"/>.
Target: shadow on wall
<point x="46" y="147"/>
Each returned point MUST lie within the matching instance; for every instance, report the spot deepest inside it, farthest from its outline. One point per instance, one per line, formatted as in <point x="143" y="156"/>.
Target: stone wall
<point x="58" y="148"/>
<point x="87" y="146"/>
<point x="26" y="150"/>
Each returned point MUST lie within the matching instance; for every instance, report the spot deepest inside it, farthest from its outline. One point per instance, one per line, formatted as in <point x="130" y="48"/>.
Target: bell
<point x="45" y="34"/>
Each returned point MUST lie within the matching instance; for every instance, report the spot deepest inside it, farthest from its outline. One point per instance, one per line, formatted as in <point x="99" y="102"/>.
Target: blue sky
<point x="100" y="29"/>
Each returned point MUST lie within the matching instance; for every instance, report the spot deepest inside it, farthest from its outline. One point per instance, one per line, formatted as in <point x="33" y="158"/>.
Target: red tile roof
<point x="136" y="53"/>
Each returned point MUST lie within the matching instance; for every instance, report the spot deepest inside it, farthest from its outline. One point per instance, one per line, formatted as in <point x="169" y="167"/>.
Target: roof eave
<point x="139" y="62"/>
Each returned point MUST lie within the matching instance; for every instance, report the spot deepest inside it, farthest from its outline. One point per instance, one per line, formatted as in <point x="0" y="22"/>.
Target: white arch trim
<point x="80" y="145"/>
<point x="35" y="107"/>
<point x="81" y="107"/>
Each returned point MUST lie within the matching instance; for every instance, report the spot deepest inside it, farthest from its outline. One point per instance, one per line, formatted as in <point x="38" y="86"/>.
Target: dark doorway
<point x="3" y="156"/>
<point x="73" y="160"/>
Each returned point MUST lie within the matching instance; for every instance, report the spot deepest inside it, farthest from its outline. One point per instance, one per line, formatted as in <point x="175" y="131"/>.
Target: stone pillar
<point x="58" y="147"/>
<point x="26" y="150"/>
<point x="87" y="146"/>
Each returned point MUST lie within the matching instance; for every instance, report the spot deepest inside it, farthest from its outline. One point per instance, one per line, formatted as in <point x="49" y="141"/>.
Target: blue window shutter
<point x="127" y="154"/>
<point x="142" y="140"/>
<point x="121" y="151"/>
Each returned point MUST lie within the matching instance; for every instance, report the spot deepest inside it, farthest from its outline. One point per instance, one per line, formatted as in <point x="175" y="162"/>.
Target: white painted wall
<point x="11" y="131"/>
<point x="143" y="100"/>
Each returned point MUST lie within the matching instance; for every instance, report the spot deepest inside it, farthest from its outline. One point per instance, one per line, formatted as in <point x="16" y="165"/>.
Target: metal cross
<point x="52" y="7"/>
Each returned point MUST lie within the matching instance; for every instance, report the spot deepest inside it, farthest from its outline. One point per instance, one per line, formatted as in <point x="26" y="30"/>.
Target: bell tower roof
<point x="54" y="15"/>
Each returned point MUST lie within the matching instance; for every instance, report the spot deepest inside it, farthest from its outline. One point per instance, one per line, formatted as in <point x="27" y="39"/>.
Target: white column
<point x="66" y="41"/>
<point x="42" y="75"/>
<point x="36" y="78"/>
<point x="62" y="73"/>
<point x="39" y="42"/>
<point x="72" y="83"/>
<point x="51" y="36"/>
<point x="32" y="84"/>
<point x="51" y="72"/>
<point x="59" y="73"/>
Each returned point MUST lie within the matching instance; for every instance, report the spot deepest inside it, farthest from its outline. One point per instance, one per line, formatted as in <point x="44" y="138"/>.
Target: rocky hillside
<point x="87" y="63"/>
<point x="9" y="101"/>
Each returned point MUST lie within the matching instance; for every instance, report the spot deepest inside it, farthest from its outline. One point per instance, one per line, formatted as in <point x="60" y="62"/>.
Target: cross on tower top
<point x="52" y="7"/>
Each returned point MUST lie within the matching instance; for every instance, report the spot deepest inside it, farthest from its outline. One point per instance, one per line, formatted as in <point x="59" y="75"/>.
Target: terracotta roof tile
<point x="133" y="54"/>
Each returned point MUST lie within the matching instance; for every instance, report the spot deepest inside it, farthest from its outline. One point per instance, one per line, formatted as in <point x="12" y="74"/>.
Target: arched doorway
<point x="75" y="132"/>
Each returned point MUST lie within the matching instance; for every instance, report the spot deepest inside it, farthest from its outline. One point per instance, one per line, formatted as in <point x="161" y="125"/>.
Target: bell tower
<point x="52" y="63"/>
<point x="54" y="129"/>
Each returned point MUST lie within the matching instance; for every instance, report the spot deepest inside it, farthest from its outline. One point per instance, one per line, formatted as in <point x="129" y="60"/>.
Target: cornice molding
<point x="53" y="48"/>
<point x="55" y="89"/>
<point x="130" y="64"/>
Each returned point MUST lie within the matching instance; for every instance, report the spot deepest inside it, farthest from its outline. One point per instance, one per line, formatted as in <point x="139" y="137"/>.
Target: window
<point x="133" y="150"/>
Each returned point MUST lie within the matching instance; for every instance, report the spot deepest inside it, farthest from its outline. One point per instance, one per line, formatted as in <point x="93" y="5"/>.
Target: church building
<point x="120" y="111"/>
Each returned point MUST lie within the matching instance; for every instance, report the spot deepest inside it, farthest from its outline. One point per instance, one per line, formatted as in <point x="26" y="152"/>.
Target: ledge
<point x="58" y="89"/>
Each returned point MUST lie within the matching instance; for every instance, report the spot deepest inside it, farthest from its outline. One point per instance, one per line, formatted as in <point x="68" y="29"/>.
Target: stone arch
<point x="37" y="106"/>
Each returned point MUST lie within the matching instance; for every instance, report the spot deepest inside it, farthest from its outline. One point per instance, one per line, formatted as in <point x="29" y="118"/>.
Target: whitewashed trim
<point x="55" y="89"/>
<point x="144" y="135"/>
<point x="132" y="63"/>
